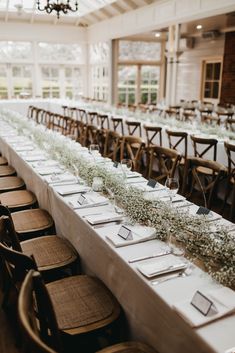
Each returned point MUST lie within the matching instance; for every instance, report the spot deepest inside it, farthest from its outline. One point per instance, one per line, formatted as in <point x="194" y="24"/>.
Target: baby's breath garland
<point x="215" y="249"/>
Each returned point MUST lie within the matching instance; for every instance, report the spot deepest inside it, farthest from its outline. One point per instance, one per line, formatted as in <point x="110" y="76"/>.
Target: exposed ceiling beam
<point x="106" y="13"/>
<point x="130" y="3"/>
<point x="118" y="8"/>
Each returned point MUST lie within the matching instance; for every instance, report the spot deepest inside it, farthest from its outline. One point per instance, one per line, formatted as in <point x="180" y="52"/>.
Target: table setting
<point x="136" y="239"/>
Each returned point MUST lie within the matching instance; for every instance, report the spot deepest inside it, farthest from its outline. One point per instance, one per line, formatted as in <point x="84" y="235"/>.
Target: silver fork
<point x="184" y="273"/>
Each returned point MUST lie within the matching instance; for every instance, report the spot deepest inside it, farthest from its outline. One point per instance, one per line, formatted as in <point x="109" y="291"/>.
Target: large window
<point x="99" y="60"/>
<point x="22" y="81"/>
<point x="48" y="70"/>
<point x="211" y="80"/>
<point x="138" y="72"/>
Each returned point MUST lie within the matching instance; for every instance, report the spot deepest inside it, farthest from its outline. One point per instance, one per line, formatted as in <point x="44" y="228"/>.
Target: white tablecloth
<point x="148" y="308"/>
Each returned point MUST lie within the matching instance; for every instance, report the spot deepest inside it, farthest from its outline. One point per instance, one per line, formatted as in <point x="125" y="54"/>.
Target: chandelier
<point x="58" y="6"/>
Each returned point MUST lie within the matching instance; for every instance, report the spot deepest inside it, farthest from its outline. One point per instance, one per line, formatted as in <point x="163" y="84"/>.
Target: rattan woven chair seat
<point x="6" y="170"/>
<point x="3" y="161"/>
<point x="82" y="303"/>
<point x="11" y="183"/>
<point x="18" y="198"/>
<point x="49" y="252"/>
<point x="33" y="220"/>
<point x="128" y="347"/>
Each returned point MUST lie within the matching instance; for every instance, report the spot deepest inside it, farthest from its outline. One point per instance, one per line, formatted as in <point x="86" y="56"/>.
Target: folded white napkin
<point x="48" y="170"/>
<point x="24" y="148"/>
<point x="88" y="201"/>
<point x="223" y="299"/>
<point x="147" y="188"/>
<point x="103" y="218"/>
<point x="60" y="179"/>
<point x="70" y="189"/>
<point x="139" y="234"/>
<point x="159" y="266"/>
<point x="42" y="164"/>
<point x="34" y="157"/>
<point x="135" y="180"/>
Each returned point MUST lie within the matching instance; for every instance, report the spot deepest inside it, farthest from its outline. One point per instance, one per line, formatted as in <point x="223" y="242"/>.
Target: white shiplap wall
<point x="190" y="66"/>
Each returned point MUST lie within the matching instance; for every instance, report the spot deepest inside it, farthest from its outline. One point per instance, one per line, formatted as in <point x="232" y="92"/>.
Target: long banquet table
<point x="148" y="308"/>
<point x="55" y="105"/>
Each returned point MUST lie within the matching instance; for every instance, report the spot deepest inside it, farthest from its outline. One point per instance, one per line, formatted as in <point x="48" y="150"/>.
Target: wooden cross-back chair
<point x="112" y="145"/>
<point x="118" y="124"/>
<point x="58" y="253"/>
<point x="178" y="140"/>
<point x="201" y="147"/>
<point x="134" y="127"/>
<point x="92" y="118"/>
<point x="58" y="123"/>
<point x="162" y="163"/>
<point x="30" y="111"/>
<point x="41" y="332"/>
<point x="82" y="304"/>
<point x="65" y="109"/>
<point x="133" y="148"/>
<point x="230" y="124"/>
<point x="44" y="118"/>
<point x="82" y="115"/>
<point x="78" y="131"/>
<point x="203" y="188"/>
<point x="103" y="121"/>
<point x="210" y="119"/>
<point x="153" y="133"/>
<point x="230" y="187"/>
<point x="30" y="223"/>
<point x="90" y="135"/>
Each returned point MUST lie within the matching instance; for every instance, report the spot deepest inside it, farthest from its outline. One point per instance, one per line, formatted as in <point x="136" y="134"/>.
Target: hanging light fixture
<point x="58" y="6"/>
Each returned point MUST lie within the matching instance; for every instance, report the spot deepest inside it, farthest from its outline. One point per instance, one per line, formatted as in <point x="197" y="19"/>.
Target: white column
<point x="37" y="89"/>
<point x="169" y="55"/>
<point x="175" y="64"/>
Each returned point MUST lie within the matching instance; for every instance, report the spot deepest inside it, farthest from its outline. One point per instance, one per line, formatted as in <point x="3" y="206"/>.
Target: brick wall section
<point x="228" y="75"/>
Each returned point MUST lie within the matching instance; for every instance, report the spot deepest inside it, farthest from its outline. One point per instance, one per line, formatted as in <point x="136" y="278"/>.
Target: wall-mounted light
<point x="157" y="34"/>
<point x="199" y="27"/>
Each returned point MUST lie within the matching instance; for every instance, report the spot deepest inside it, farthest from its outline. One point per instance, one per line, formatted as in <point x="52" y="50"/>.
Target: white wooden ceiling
<point x="90" y="11"/>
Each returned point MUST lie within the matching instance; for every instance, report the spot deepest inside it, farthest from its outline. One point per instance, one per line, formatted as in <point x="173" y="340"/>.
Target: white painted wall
<point x="158" y="15"/>
<point x="190" y="64"/>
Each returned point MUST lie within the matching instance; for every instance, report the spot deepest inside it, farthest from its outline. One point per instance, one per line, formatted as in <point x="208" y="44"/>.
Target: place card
<point x="203" y="211"/>
<point x="125" y="233"/>
<point x="152" y="183"/>
<point x="201" y="303"/>
<point x="82" y="200"/>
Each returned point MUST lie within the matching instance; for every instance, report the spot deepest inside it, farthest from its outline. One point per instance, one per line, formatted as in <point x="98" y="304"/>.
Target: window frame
<point x="205" y="61"/>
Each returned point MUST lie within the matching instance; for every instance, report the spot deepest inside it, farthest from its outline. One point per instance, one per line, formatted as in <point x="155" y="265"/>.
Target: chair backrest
<point x="112" y="144"/>
<point x="162" y="162"/>
<point x="153" y="132"/>
<point x="230" y="151"/>
<point x="133" y="127"/>
<point x="230" y="124"/>
<point x="202" y="145"/>
<point x="82" y="115"/>
<point x="210" y="119"/>
<point x="37" y="318"/>
<point x="103" y="121"/>
<point x="90" y="135"/>
<point x="15" y="262"/>
<point x="118" y="123"/>
<point x="8" y="234"/>
<point x="178" y="139"/>
<point x="92" y="118"/>
<point x="192" y="178"/>
<point x="132" y="148"/>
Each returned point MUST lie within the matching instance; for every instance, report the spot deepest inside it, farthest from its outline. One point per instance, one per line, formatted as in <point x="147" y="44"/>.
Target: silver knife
<point x="136" y="259"/>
